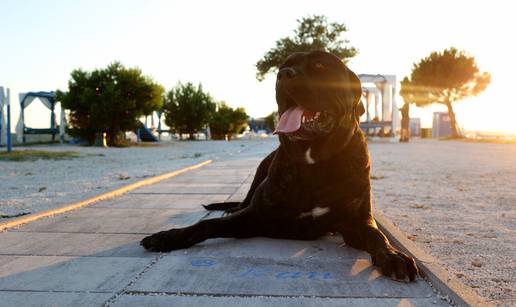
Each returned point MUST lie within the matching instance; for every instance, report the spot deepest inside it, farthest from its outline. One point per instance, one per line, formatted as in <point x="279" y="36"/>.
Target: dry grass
<point x="33" y="155"/>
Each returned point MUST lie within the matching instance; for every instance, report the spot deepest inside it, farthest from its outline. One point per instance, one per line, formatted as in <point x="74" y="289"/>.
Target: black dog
<point x="317" y="180"/>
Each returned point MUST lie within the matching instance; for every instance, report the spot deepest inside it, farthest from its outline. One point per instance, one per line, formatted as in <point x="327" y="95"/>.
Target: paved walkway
<point x="92" y="257"/>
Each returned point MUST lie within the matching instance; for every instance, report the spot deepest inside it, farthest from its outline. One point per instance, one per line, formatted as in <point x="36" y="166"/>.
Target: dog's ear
<point x="360" y="109"/>
<point x="356" y="87"/>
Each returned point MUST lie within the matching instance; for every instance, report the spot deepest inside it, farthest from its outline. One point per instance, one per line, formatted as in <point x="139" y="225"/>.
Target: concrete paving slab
<point x="280" y="250"/>
<point x="231" y="172"/>
<point x="241" y="192"/>
<point x="237" y="197"/>
<point x="108" y="220"/>
<point x="162" y="201"/>
<point x="261" y="276"/>
<point x="216" y="170"/>
<point x="95" y="250"/>
<point x="216" y="301"/>
<point x="56" y="273"/>
<point x="71" y="244"/>
<point x="199" y="178"/>
<point x="173" y="187"/>
<point x="237" y="162"/>
<point x="38" y="299"/>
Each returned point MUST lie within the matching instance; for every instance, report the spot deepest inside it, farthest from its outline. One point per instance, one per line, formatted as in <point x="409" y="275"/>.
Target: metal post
<point x="52" y="120"/>
<point x="8" y="128"/>
<point x="159" y="125"/>
<point x="22" y="115"/>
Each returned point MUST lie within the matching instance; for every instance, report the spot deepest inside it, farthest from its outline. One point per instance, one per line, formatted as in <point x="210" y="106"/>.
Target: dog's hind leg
<point x="261" y="174"/>
<point x="238" y="225"/>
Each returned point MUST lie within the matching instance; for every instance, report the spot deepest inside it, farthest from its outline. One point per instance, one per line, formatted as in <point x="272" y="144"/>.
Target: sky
<point x="217" y="43"/>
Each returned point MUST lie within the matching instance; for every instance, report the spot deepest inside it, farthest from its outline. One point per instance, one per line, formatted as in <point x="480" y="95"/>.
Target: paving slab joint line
<point x="111" y="194"/>
<point x="247" y="295"/>
<point x="132" y="281"/>
<point x="451" y="287"/>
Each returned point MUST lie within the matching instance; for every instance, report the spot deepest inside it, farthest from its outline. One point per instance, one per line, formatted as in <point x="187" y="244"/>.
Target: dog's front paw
<point x="396" y="265"/>
<point x="165" y="241"/>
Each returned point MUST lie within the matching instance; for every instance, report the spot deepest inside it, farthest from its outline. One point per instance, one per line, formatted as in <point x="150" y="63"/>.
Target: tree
<point x="444" y="77"/>
<point x="227" y="121"/>
<point x="109" y="101"/>
<point x="408" y="97"/>
<point x="188" y="109"/>
<point x="312" y="33"/>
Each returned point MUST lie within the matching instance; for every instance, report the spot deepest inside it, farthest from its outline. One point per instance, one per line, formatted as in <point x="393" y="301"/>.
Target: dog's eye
<point x="319" y="66"/>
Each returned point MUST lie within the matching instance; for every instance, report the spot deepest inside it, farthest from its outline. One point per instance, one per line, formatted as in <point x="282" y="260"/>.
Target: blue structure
<point x="441" y="125"/>
<point x="144" y="134"/>
<point x="415" y="127"/>
<point x="49" y="100"/>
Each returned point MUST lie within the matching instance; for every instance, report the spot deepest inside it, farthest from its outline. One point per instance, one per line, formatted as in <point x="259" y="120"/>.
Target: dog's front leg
<point x="365" y="235"/>
<point x="238" y="225"/>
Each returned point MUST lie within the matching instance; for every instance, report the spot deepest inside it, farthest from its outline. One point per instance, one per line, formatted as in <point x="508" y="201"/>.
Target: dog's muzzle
<point x="299" y="123"/>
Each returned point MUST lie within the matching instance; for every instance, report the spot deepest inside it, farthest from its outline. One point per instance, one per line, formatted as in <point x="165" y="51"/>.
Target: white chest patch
<point x="308" y="156"/>
<point x="316" y="212"/>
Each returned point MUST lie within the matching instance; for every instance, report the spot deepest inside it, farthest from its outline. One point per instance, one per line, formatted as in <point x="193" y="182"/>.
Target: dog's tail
<point x="222" y="206"/>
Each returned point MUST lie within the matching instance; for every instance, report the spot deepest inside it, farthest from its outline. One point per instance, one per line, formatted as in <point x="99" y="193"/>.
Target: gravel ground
<point x="32" y="186"/>
<point x="456" y="200"/>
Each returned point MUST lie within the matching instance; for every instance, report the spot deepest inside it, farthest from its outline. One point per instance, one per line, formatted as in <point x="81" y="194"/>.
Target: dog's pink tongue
<point x="290" y="120"/>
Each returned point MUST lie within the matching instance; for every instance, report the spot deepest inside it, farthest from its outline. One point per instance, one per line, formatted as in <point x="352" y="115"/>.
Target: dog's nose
<point x="286" y="72"/>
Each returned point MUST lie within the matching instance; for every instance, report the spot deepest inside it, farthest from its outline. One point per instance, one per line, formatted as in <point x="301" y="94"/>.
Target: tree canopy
<point x="109" y="101"/>
<point x="227" y="121"/>
<point x="188" y="109"/>
<point x="312" y="33"/>
<point x="444" y="77"/>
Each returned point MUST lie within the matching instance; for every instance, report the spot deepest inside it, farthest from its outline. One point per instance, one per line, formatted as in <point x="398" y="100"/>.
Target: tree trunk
<point x="405" y="123"/>
<point x="453" y="121"/>
<point x="114" y="136"/>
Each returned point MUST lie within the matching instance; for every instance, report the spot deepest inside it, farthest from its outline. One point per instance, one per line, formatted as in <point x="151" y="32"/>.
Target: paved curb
<point x="114" y="193"/>
<point x="458" y="293"/>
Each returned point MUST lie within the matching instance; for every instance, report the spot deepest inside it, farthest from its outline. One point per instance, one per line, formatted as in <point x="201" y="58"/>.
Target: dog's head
<point x="318" y="103"/>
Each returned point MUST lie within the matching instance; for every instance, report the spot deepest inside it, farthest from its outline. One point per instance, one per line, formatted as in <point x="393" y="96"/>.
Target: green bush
<point x="109" y="101"/>
<point x="227" y="121"/>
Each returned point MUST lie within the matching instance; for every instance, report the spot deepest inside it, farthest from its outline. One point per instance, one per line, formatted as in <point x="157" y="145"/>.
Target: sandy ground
<point x="456" y="200"/>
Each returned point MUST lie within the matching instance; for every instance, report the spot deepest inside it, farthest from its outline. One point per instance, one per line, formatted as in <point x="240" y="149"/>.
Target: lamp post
<point x="8" y="124"/>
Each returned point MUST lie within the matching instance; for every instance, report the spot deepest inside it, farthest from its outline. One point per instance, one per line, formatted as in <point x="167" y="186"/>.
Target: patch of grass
<point x="194" y="155"/>
<point x="500" y="140"/>
<point x="420" y="206"/>
<point x="123" y="177"/>
<point x="10" y="216"/>
<point x="33" y="155"/>
<point x="135" y="144"/>
<point x="36" y="143"/>
<point x="94" y="155"/>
